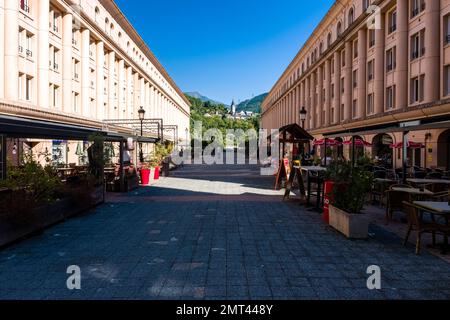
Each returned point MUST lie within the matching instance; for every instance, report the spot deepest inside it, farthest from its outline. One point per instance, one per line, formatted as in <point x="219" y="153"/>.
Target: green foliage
<point x="40" y="183"/>
<point x="253" y="105"/>
<point x="214" y="116"/>
<point x="351" y="186"/>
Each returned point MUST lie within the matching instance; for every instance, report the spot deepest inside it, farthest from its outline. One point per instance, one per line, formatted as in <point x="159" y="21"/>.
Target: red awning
<point x="329" y="142"/>
<point x="410" y="144"/>
<point x="358" y="143"/>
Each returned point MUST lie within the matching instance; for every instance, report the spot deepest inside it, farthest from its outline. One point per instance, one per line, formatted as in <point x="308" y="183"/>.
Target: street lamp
<point x="303" y="114"/>
<point x="141" y="113"/>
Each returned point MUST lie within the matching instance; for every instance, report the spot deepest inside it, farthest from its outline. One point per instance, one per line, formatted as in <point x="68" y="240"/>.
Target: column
<point x="307" y="102"/>
<point x="85" y="74"/>
<point x="432" y="49"/>
<point x="129" y="105"/>
<point x="348" y="91"/>
<point x="111" y="109"/>
<point x="11" y="50"/>
<point x="100" y="85"/>
<point x="136" y="93"/>
<point x="320" y="98"/>
<point x="43" y="53"/>
<point x="337" y="88"/>
<point x="121" y="95"/>
<point x="362" y="77"/>
<point x="313" y="109"/>
<point x="401" y="71"/>
<point x="379" y="69"/>
<point x="327" y="92"/>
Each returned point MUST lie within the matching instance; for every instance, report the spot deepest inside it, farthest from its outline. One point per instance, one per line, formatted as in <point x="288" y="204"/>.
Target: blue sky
<point x="225" y="49"/>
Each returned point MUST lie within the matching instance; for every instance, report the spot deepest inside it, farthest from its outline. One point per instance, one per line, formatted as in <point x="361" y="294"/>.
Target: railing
<point x="29" y="53"/>
<point x="415" y="55"/>
<point x="20" y="49"/>
<point x="75" y="76"/>
<point x="55" y="66"/>
<point x="370" y="77"/>
<point x="74" y="42"/>
<point x="414" y="12"/>
<point x="372" y="43"/>
<point x="55" y="28"/>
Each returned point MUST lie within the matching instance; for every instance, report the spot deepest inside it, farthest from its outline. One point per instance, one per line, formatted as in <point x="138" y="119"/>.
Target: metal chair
<point x="415" y="223"/>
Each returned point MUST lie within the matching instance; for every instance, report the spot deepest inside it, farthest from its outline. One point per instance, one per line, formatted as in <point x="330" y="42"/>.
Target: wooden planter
<point x="353" y="226"/>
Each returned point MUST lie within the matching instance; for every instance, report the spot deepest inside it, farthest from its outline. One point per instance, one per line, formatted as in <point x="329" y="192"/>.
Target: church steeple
<point x="233" y="108"/>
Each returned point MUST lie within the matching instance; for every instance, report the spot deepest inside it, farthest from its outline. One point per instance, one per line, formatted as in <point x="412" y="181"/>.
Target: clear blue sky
<point x="225" y="49"/>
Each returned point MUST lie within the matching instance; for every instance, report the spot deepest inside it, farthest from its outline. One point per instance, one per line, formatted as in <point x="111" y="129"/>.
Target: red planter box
<point x="145" y="177"/>
<point x="156" y="174"/>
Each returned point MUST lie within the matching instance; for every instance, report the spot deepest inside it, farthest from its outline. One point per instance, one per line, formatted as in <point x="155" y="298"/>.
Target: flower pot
<point x="353" y="226"/>
<point x="156" y="173"/>
<point x="145" y="177"/>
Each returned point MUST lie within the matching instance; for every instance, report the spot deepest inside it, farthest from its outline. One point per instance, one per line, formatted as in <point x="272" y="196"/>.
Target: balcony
<point x="29" y="53"/>
<point x="74" y="42"/>
<point x="20" y="49"/>
<point x="414" y="12"/>
<point x="55" y="28"/>
<point x="372" y="43"/>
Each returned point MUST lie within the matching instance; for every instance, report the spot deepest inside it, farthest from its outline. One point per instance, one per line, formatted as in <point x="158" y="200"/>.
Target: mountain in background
<point x="203" y="98"/>
<point x="253" y="105"/>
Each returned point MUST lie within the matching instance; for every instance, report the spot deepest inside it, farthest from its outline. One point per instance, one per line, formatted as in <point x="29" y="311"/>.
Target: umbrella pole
<point x="405" y="155"/>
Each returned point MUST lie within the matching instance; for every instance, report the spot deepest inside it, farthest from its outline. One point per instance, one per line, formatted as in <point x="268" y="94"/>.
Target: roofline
<point x="117" y="14"/>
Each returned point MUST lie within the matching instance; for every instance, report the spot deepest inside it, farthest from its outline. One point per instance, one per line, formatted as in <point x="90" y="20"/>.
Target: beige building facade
<point x="79" y="63"/>
<point x="368" y="67"/>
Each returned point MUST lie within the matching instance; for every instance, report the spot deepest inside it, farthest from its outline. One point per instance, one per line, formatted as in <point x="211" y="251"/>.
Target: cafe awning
<point x="294" y="133"/>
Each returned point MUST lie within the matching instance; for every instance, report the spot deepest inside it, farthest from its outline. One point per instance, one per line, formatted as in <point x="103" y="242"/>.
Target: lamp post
<point x="303" y="114"/>
<point x="141" y="113"/>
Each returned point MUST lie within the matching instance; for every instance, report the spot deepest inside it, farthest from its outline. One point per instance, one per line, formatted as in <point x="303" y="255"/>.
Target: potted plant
<point x="351" y="186"/>
<point x="145" y="174"/>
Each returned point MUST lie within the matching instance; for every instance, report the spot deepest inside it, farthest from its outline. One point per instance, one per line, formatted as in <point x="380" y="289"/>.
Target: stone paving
<point x="213" y="232"/>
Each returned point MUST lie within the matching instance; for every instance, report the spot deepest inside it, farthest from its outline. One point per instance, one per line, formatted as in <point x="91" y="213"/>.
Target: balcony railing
<point x="55" y="28"/>
<point x="415" y="12"/>
<point x="20" y="49"/>
<point x="370" y="77"/>
<point x="415" y="55"/>
<point x="75" y="76"/>
<point x="372" y="43"/>
<point x="55" y="67"/>
<point x="74" y="42"/>
<point x="29" y="53"/>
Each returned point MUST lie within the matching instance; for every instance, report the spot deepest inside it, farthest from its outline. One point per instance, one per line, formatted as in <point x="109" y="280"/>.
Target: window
<point x="29" y="45"/>
<point x="355" y="78"/>
<point x="371" y="38"/>
<point x="354" y="108"/>
<point x="417" y="6"/>
<point x="342" y="85"/>
<point x="370" y="70"/>
<point x="75" y="65"/>
<point x="321" y="48"/>
<point x="355" y="49"/>
<point x="342" y="111"/>
<point x="418" y="45"/>
<point x="329" y="40"/>
<point x="417" y="89"/>
<point x="74" y="38"/>
<point x="54" y="96"/>
<point x="339" y="29"/>
<point x="365" y="4"/>
<point x="447" y="29"/>
<point x="332" y="91"/>
<point x="332" y="66"/>
<point x="332" y="115"/>
<point x="28" y="88"/>
<point x="391" y="59"/>
<point x="343" y="58"/>
<point x="392" y="22"/>
<point x="25" y="5"/>
<point x="390" y="98"/>
<point x="55" y="21"/>
<point x="75" y="101"/>
<point x="55" y="59"/>
<point x="97" y="14"/>
<point x="351" y="17"/>
<point x="370" y="104"/>
<point x="447" y="80"/>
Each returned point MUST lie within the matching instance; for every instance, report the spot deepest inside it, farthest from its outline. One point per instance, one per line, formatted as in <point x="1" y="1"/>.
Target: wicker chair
<point x="415" y="223"/>
<point x="395" y="201"/>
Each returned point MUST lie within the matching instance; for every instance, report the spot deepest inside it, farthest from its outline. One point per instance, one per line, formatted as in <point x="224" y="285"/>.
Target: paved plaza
<point x="213" y="232"/>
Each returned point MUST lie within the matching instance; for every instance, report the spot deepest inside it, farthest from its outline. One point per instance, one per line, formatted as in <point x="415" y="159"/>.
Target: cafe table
<point x="414" y="191"/>
<point x="428" y="181"/>
<point x="440" y="208"/>
<point x="310" y="170"/>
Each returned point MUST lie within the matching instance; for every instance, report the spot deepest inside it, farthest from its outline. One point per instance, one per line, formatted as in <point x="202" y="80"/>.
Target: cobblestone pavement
<point x="213" y="232"/>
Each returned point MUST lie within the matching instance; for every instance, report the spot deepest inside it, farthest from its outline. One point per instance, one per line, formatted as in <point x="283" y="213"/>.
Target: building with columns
<point x="369" y="69"/>
<point x="79" y="63"/>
